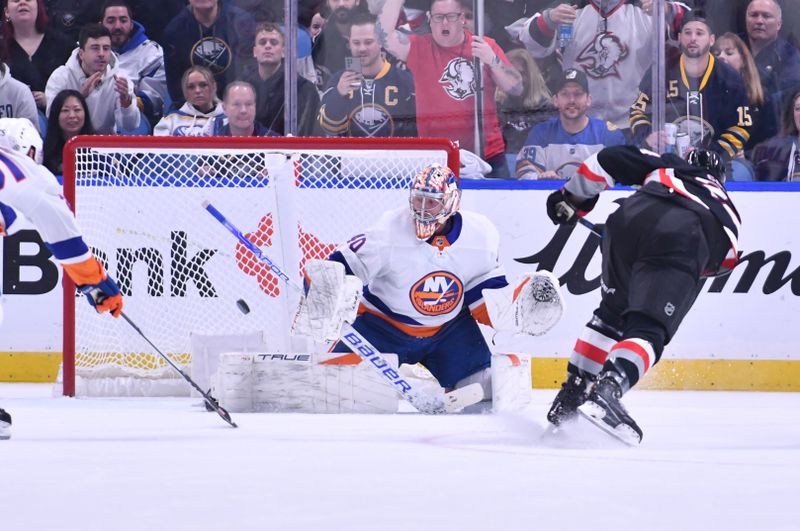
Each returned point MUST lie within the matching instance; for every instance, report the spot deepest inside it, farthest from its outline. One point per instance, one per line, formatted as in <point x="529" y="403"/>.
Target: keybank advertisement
<point x="750" y="314"/>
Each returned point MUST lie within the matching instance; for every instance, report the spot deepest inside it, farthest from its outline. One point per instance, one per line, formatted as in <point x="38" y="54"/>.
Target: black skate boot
<point x="603" y="407"/>
<point x="573" y="393"/>
<point x="5" y="424"/>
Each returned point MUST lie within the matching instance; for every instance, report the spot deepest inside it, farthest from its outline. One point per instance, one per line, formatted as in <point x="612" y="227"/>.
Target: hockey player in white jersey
<point x="425" y="273"/>
<point x="29" y="188"/>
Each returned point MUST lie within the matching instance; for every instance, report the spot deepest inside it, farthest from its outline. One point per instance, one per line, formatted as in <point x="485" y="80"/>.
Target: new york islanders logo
<point x="437" y="293"/>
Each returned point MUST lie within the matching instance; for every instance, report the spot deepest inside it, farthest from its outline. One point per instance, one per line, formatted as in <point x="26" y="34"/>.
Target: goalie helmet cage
<point x="138" y="201"/>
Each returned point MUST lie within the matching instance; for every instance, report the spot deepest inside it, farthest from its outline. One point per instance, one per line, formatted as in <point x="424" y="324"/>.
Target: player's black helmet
<point x="709" y="161"/>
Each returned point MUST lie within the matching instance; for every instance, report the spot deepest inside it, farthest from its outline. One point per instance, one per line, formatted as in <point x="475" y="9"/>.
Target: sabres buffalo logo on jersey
<point x="212" y="53"/>
<point x="437" y="293"/>
<point x="601" y="57"/>
<point x="458" y="79"/>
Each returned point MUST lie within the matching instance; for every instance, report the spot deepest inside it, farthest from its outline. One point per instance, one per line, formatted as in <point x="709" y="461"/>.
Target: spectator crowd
<point x="542" y="86"/>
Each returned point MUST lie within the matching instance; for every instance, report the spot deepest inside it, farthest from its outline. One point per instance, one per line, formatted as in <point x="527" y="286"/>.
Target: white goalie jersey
<point x="419" y="286"/>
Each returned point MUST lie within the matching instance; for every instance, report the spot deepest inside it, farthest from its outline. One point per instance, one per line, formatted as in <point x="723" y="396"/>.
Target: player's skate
<point x="5" y="424"/>
<point x="603" y="407"/>
<point x="573" y="393"/>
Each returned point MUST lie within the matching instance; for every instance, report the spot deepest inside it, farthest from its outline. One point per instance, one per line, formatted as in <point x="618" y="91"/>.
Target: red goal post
<point x="138" y="201"/>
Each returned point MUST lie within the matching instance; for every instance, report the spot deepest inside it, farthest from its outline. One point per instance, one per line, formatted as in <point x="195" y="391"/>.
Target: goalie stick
<point x="210" y="400"/>
<point x="451" y="402"/>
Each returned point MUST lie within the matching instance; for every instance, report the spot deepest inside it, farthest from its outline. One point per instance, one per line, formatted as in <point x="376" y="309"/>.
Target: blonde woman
<point x="730" y="49"/>
<point x="200" y="90"/>
<point x="518" y="114"/>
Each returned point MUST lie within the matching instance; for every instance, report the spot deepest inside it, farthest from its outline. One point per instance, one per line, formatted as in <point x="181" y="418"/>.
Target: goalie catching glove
<point x="532" y="306"/>
<point x="331" y="299"/>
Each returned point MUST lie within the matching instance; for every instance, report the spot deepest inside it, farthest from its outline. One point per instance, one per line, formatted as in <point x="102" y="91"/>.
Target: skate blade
<point x="596" y="415"/>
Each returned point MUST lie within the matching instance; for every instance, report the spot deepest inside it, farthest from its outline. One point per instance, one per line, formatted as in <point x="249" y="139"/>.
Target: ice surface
<point x="708" y="461"/>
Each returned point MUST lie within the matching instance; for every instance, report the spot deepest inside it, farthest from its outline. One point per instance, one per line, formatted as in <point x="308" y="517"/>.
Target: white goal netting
<point x="139" y="203"/>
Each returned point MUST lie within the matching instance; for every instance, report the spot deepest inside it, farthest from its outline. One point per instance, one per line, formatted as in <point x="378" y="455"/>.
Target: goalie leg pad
<point x="507" y="383"/>
<point x="511" y="382"/>
<point x="302" y="383"/>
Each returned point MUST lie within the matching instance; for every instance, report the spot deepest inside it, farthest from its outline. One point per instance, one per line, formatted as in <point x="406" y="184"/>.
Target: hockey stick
<point x="210" y="400"/>
<point x="589" y="225"/>
<point x="567" y="210"/>
<point x="425" y="403"/>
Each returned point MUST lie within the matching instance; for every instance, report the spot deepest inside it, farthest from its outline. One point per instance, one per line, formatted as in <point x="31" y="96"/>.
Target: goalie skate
<point x="604" y="409"/>
<point x="5" y="425"/>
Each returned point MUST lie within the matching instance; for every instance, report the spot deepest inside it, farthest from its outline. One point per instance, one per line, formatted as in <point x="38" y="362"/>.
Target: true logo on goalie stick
<point x="283" y="357"/>
<point x="437" y="293"/>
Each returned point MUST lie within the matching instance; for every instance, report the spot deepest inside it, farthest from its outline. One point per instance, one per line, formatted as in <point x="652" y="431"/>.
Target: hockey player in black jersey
<point x="677" y="228"/>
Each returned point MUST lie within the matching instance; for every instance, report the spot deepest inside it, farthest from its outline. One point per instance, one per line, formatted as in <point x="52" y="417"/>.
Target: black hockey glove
<point x="563" y="209"/>
<point x="560" y="210"/>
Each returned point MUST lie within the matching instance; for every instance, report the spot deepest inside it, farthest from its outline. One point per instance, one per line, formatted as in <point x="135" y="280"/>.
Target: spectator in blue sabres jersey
<point x="202" y="105"/>
<point x="556" y="148"/>
<point x="705" y="98"/>
<point x="373" y="98"/>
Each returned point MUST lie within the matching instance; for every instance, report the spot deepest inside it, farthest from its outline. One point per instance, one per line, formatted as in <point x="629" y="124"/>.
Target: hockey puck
<point x="243" y="307"/>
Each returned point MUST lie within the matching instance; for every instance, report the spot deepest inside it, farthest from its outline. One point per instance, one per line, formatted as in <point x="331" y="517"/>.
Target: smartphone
<point x="353" y="64"/>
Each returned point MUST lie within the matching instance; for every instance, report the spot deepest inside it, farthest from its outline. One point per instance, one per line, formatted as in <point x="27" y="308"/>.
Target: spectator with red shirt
<point x="443" y="68"/>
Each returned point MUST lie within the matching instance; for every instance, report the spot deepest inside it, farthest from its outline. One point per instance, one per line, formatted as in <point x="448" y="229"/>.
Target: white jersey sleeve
<point x="33" y="191"/>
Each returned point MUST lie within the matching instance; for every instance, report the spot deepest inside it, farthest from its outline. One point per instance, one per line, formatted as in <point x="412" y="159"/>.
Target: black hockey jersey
<point x="380" y="107"/>
<point x="713" y="110"/>
<point x="666" y="176"/>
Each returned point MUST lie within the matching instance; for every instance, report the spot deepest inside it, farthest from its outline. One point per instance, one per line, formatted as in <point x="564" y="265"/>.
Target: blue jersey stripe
<point x="15" y="171"/>
<point x="381" y="306"/>
<point x="66" y="249"/>
<point x="475" y="293"/>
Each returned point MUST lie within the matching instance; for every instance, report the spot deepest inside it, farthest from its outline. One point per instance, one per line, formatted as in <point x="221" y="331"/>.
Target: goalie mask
<point x="19" y="135"/>
<point x="709" y="161"/>
<point x="435" y="196"/>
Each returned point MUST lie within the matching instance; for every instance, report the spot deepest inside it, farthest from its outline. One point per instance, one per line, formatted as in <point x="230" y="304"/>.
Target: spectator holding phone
<point x="371" y="97"/>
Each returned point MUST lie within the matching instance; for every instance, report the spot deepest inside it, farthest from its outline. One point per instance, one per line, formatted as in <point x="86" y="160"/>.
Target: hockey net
<point x="139" y="201"/>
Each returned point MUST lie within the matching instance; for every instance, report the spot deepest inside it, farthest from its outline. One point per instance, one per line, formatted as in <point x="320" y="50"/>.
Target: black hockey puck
<point x="243" y="307"/>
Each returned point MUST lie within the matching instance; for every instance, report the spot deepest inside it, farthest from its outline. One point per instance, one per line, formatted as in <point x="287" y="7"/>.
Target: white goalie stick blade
<point x="595" y="414"/>
<point x="458" y="399"/>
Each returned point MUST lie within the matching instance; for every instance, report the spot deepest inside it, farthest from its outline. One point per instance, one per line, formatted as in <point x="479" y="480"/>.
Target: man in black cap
<point x="555" y="149"/>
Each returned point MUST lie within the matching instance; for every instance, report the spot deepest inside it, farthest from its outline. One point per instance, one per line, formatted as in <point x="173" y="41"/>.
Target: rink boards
<point x="741" y="333"/>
